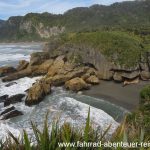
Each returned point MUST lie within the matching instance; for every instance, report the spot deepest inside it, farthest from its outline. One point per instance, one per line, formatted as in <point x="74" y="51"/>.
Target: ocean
<point x="61" y="104"/>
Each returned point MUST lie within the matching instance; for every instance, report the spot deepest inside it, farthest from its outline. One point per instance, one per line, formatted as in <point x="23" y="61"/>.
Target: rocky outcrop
<point x="76" y="84"/>
<point x="23" y="64"/>
<point x="6" y="70"/>
<point x="93" y="80"/>
<point x="3" y="98"/>
<point x="131" y="81"/>
<point x="106" y="75"/>
<point x="145" y="75"/>
<point x="38" y="58"/>
<point x="7" y="110"/>
<point x="13" y="99"/>
<point x="118" y="77"/>
<point x="40" y="29"/>
<point x="17" y="75"/>
<point x="12" y="114"/>
<point x="10" y="84"/>
<point x="34" y="70"/>
<point x="37" y="92"/>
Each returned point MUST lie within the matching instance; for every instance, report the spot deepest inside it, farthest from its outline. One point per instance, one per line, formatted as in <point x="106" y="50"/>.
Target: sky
<point x="21" y="7"/>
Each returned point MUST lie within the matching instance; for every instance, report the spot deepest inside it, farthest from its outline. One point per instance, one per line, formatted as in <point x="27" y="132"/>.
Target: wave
<point x="13" y="57"/>
<point x="20" y="86"/>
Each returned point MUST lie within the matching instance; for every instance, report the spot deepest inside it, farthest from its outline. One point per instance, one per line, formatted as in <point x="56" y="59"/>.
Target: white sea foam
<point x="20" y="87"/>
<point x="4" y="128"/>
<point x="13" y="57"/>
<point x="77" y="112"/>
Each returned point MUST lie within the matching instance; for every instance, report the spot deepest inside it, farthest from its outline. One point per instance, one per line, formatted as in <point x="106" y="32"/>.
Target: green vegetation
<point x="141" y="117"/>
<point x="119" y="47"/>
<point x="127" y="132"/>
<point x="131" y="15"/>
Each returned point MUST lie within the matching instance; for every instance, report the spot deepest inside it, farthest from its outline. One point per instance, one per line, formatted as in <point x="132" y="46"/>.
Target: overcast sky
<point x="21" y="7"/>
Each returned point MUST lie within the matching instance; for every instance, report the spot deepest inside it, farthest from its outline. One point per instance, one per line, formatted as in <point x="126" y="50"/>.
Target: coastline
<point x="127" y="97"/>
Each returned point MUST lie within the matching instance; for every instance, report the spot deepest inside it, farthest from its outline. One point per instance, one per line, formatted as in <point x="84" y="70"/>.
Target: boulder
<point x="3" y="98"/>
<point x="43" y="68"/>
<point x="130" y="75"/>
<point x="58" y="64"/>
<point x="10" y="84"/>
<point x="145" y="75"/>
<point x="7" y="110"/>
<point x="131" y="81"/>
<point x="23" y="64"/>
<point x="17" y="75"/>
<point x="13" y="99"/>
<point x="12" y="114"/>
<point x="60" y="79"/>
<point x="37" y="92"/>
<point x="118" y="77"/>
<point x="93" y="80"/>
<point x="6" y="70"/>
<point x="38" y="58"/>
<point x="76" y="84"/>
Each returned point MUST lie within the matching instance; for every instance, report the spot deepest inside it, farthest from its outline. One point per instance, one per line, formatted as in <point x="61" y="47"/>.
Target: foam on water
<point x="12" y="57"/>
<point x="20" y="87"/>
<point x="11" y="53"/>
<point x="59" y="103"/>
<point x="4" y="128"/>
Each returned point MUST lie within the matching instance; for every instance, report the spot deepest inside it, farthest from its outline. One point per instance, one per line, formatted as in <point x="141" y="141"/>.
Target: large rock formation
<point x="23" y="64"/>
<point x="93" y="80"/>
<point x="6" y="70"/>
<point x="37" y="92"/>
<point x="77" y="84"/>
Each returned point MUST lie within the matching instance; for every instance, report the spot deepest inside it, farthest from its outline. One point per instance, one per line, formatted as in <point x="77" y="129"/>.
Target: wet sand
<point x="127" y="97"/>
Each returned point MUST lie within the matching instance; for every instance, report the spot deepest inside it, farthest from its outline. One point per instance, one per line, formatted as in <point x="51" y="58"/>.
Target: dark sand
<point x="127" y="97"/>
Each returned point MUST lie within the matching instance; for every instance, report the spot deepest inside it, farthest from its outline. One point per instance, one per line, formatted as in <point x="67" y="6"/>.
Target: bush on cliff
<point x="122" y="48"/>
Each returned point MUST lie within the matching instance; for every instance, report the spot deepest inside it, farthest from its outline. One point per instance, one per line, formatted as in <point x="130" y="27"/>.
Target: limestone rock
<point x="58" y="64"/>
<point x="6" y="70"/>
<point x="43" y="68"/>
<point x="106" y="75"/>
<point x="118" y="77"/>
<point x="37" y="92"/>
<point x="145" y="75"/>
<point x="93" y="80"/>
<point x="38" y="58"/>
<point x="17" y="75"/>
<point x="23" y="64"/>
<point x="76" y="84"/>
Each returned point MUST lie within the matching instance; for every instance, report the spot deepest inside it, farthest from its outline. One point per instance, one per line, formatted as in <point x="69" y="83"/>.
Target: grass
<point x="122" y="48"/>
<point x="45" y="140"/>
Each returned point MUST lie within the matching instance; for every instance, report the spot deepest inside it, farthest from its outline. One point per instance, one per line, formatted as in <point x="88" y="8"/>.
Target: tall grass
<point x="50" y="136"/>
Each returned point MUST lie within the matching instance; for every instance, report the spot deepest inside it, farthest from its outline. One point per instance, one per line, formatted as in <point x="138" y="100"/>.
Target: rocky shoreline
<point x="74" y="69"/>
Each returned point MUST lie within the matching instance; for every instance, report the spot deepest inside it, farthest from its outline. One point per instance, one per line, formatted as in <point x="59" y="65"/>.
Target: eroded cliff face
<point x="107" y="69"/>
<point x="42" y="30"/>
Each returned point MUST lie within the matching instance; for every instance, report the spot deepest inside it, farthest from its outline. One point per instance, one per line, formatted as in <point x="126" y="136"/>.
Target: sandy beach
<point x="127" y="97"/>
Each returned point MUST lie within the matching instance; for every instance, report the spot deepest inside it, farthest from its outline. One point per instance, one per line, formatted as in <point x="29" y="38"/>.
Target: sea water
<point x="61" y="104"/>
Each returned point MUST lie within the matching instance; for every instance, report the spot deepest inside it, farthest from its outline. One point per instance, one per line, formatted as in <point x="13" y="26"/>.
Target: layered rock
<point x="23" y="64"/>
<point x="77" y="84"/>
<point x="6" y="70"/>
<point x="93" y="80"/>
<point x="12" y="114"/>
<point x="13" y="99"/>
<point x="37" y="92"/>
<point x="38" y="58"/>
